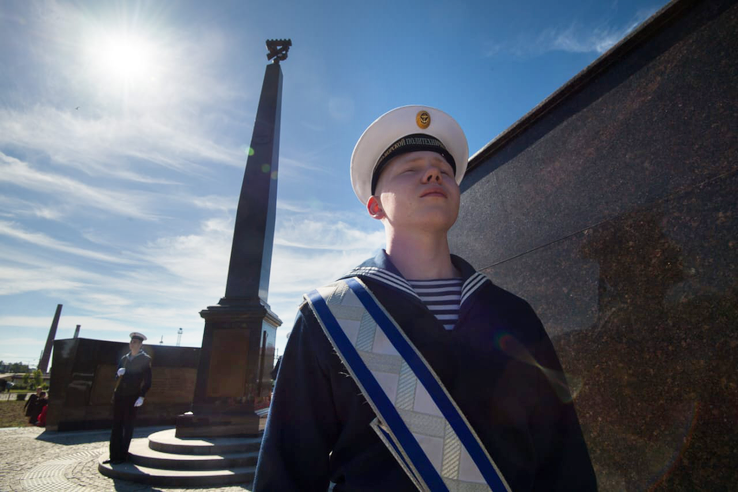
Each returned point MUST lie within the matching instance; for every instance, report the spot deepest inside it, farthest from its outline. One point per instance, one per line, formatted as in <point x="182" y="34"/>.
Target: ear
<point x="375" y="208"/>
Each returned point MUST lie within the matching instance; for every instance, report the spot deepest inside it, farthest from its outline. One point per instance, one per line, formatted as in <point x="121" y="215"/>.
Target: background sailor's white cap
<point x="136" y="334"/>
<point x="384" y="137"/>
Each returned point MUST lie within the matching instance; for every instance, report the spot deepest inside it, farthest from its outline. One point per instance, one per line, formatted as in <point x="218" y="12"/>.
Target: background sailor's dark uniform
<point x="30" y="404"/>
<point x="318" y="427"/>
<point x="134" y="383"/>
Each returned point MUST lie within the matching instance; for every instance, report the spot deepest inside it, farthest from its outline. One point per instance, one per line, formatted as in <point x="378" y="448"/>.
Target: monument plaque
<point x="173" y="384"/>
<point x="230" y="365"/>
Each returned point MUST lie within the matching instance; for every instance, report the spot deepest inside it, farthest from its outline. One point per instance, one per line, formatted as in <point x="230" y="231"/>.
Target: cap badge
<point x="423" y="119"/>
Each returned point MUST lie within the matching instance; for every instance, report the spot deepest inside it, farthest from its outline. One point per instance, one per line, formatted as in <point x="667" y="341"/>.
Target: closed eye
<point x="410" y="169"/>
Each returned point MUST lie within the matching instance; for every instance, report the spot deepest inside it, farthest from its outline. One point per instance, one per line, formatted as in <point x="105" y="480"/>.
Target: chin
<point x="438" y="223"/>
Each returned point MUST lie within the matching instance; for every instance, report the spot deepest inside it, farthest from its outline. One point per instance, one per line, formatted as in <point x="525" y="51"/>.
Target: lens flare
<point x="689" y="434"/>
<point x="558" y="380"/>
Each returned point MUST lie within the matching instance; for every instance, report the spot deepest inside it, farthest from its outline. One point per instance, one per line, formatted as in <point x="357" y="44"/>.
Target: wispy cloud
<point x="216" y="202"/>
<point x="301" y="164"/>
<point x="18" y="173"/>
<point x="20" y="280"/>
<point x="573" y="38"/>
<point x="12" y="207"/>
<point x="324" y="235"/>
<point x="15" y="231"/>
<point x="112" y="145"/>
<point x="579" y="39"/>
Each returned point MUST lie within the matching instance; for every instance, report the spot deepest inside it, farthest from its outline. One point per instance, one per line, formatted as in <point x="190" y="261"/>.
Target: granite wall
<point x="83" y="380"/>
<point x="612" y="209"/>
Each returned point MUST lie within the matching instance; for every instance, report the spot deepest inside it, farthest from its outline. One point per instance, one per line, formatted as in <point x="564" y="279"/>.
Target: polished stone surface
<point x="615" y="215"/>
<point x="642" y="311"/>
<point x="253" y="235"/>
<point x="83" y="380"/>
<point x="662" y="119"/>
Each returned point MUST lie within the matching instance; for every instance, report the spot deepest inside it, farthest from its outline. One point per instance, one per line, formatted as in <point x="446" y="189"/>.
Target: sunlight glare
<point x="126" y="57"/>
<point x="124" y="62"/>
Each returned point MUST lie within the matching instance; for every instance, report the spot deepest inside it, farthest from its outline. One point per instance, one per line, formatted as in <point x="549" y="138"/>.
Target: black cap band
<point x="137" y="338"/>
<point x="411" y="143"/>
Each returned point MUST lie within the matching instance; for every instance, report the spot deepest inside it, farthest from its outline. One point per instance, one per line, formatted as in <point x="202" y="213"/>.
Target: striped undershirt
<point x="442" y="297"/>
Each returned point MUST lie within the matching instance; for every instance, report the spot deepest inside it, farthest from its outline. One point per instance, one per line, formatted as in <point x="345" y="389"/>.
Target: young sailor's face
<point x="418" y="189"/>
<point x="135" y="345"/>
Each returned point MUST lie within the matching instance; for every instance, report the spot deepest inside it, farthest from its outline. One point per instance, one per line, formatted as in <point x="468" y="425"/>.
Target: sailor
<point x="413" y="371"/>
<point x="133" y="380"/>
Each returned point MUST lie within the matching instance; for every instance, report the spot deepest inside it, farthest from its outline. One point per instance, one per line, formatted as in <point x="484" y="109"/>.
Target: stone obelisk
<point x="43" y="363"/>
<point x="233" y="382"/>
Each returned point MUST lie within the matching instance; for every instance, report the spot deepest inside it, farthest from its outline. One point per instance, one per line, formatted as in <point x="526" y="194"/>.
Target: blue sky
<point x="124" y="128"/>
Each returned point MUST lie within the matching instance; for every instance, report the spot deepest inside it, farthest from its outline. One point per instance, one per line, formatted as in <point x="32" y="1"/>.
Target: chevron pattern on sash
<point x="417" y="410"/>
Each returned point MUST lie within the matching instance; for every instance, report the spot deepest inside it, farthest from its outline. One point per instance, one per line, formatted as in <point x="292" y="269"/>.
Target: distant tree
<point x="38" y="378"/>
<point x="26" y="379"/>
<point x="18" y="367"/>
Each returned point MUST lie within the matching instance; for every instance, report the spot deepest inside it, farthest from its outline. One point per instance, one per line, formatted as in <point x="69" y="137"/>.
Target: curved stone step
<point x="141" y="454"/>
<point x="166" y="442"/>
<point x="176" y="478"/>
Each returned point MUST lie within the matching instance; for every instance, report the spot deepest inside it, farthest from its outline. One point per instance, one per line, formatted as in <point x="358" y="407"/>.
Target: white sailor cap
<point x="402" y="130"/>
<point x="138" y="335"/>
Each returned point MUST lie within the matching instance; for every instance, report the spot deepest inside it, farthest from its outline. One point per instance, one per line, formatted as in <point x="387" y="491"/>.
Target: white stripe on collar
<point x="471" y="285"/>
<point x="386" y="277"/>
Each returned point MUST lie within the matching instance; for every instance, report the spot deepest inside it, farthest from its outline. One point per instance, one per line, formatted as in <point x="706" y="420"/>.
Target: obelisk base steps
<point x="163" y="459"/>
<point x="219" y="425"/>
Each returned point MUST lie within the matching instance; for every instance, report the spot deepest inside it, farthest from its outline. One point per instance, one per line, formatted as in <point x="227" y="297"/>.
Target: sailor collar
<point x="140" y="352"/>
<point x="381" y="269"/>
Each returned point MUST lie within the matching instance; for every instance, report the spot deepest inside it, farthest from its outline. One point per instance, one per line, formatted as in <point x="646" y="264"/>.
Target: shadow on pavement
<point x="87" y="437"/>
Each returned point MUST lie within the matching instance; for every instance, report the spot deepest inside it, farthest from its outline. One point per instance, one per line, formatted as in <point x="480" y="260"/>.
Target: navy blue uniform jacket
<point x="137" y="379"/>
<point x="318" y="426"/>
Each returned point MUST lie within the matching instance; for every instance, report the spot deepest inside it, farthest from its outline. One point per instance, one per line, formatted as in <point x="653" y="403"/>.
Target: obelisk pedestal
<point x="233" y="380"/>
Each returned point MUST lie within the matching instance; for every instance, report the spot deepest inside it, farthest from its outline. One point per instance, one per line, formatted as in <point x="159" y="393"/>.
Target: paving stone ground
<point x="33" y="459"/>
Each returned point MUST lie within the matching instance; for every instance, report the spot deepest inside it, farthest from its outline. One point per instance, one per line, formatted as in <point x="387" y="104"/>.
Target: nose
<point x="432" y="174"/>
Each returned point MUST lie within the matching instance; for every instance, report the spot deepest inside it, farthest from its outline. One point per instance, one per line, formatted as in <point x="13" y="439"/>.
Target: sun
<point x="124" y="56"/>
<point x="126" y="62"/>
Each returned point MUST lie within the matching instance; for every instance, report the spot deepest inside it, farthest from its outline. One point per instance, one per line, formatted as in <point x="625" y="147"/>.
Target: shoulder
<point x="504" y="298"/>
<point x="142" y="359"/>
<point x="512" y="309"/>
<point x="329" y="288"/>
<point x="307" y="341"/>
<point x="306" y="321"/>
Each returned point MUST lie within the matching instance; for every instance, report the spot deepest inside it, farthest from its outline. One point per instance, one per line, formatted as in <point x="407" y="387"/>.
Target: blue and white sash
<point x="416" y="418"/>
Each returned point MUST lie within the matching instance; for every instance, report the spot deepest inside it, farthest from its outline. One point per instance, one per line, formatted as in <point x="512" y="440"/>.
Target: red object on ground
<point x="42" y="417"/>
